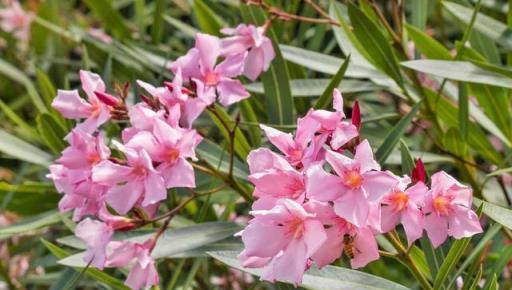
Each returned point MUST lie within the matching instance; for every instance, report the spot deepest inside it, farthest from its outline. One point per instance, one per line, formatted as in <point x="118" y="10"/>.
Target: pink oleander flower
<point x="175" y="94"/>
<point x="170" y="147"/>
<point x="403" y="205"/>
<point x="273" y="178"/>
<point x="72" y="174"/>
<point x="72" y="106"/>
<point x="357" y="184"/>
<point x="343" y="236"/>
<point x="16" y="20"/>
<point x="136" y="182"/>
<point x="199" y="64"/>
<point x="332" y="124"/>
<point x="96" y="236"/>
<point x="448" y="210"/>
<point x="249" y="38"/>
<point x="302" y="150"/>
<point x="143" y="273"/>
<point x="282" y="240"/>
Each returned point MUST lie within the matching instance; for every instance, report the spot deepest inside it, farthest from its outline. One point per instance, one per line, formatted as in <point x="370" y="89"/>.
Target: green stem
<point x="407" y="260"/>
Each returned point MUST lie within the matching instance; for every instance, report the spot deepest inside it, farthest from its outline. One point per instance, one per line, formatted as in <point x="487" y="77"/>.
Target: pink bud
<point x="419" y="173"/>
<point x="107" y="99"/>
<point x="356" y="115"/>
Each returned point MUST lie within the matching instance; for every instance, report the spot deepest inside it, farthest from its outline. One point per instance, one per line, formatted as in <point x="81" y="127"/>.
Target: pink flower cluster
<point x="16" y="20"/>
<point x="325" y="195"/>
<point x="157" y="145"/>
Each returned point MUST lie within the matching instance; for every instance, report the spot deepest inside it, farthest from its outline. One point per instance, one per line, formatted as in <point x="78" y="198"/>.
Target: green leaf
<point x="28" y="198"/>
<point x="325" y="63"/>
<point x="456" y="251"/>
<point x="51" y="132"/>
<point x="433" y="256"/>
<point x="328" y="278"/>
<point x="375" y="43"/>
<point x="218" y="157"/>
<point x="46" y="87"/>
<point x="505" y="257"/>
<point x="492" y="284"/>
<point x="486" y="25"/>
<point x="90" y="272"/>
<point x="248" y="115"/>
<point x="496" y="213"/>
<point x="158" y="22"/>
<point x="326" y="97"/>
<point x="175" y="241"/>
<point x="419" y="10"/>
<point x="31" y="224"/>
<point x="316" y="87"/>
<point x="407" y="159"/>
<point x="460" y="71"/>
<point x="111" y="18"/>
<point x="477" y="139"/>
<point x="427" y="45"/>
<point x="242" y="146"/>
<point x="13" y="73"/>
<point x="276" y="80"/>
<point x="475" y="252"/>
<point x="187" y="29"/>
<point x="22" y="150"/>
<point x="28" y="131"/>
<point x="208" y="21"/>
<point x="395" y="134"/>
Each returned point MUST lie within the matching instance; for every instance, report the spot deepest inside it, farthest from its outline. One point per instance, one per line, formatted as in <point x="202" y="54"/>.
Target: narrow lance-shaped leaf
<point x="326" y="97"/>
<point x="375" y="43"/>
<point x="327" y="278"/>
<point x="395" y="134"/>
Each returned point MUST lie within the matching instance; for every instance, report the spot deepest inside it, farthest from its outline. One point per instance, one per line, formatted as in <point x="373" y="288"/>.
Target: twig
<point x="405" y="257"/>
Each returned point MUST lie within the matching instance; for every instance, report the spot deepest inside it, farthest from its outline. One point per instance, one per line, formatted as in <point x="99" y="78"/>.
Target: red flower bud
<point x="107" y="99"/>
<point x="356" y="115"/>
<point x="418" y="173"/>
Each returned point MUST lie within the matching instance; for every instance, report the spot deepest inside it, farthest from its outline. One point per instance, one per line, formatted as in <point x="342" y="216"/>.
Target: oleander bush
<point x="255" y="144"/>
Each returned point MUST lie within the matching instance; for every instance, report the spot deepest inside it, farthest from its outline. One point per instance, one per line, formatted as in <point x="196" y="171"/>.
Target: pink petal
<point x="70" y="105"/>
<point x="231" y="91"/>
<point x="339" y="162"/>
<point x="288" y="266"/>
<point x="96" y="235"/>
<point x="267" y="245"/>
<point x="342" y="134"/>
<point x="108" y="172"/>
<point x="366" y="249"/>
<point x="412" y="220"/>
<point x="279" y="183"/>
<point x="283" y="141"/>
<point x="364" y="157"/>
<point x="122" y="253"/>
<point x="268" y="52"/>
<point x="154" y="189"/>
<point x="180" y="174"/>
<point x="91" y="82"/>
<point x="331" y="249"/>
<point x="464" y="223"/>
<point x="232" y="66"/>
<point x="389" y="218"/>
<point x="252" y="261"/>
<point x="337" y="102"/>
<point x="254" y="63"/>
<point x="417" y="193"/>
<point x="188" y="63"/>
<point x="314" y="236"/>
<point x="321" y="185"/>
<point x="208" y="47"/>
<point x="123" y="197"/>
<point x="377" y="183"/>
<point x="437" y="229"/>
<point x="353" y="207"/>
<point x="262" y="159"/>
<point x="306" y="128"/>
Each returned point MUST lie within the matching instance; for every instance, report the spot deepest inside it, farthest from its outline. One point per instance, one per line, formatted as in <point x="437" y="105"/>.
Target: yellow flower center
<point x="399" y="200"/>
<point x="442" y="205"/>
<point x="353" y="179"/>
<point x="211" y="78"/>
